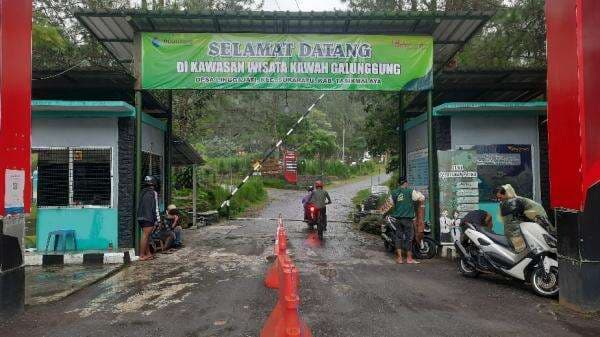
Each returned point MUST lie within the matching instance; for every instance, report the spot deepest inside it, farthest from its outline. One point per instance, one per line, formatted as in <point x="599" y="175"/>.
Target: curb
<point x="82" y="287"/>
<point x="448" y="252"/>
<point x="80" y="258"/>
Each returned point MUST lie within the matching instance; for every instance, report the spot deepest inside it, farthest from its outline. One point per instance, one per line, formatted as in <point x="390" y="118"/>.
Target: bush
<point x="336" y="168"/>
<point x="371" y="224"/>
<point x="252" y="193"/>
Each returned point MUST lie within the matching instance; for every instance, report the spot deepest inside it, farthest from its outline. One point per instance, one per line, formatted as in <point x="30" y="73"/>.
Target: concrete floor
<point x="349" y="287"/>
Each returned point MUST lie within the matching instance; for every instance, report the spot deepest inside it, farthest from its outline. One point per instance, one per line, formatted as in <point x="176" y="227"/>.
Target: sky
<point x="305" y="5"/>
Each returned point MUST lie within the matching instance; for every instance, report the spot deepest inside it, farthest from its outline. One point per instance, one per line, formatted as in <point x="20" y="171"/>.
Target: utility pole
<point x="344" y="141"/>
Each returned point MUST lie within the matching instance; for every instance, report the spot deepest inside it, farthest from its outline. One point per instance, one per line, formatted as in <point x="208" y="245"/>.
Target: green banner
<point x="286" y="61"/>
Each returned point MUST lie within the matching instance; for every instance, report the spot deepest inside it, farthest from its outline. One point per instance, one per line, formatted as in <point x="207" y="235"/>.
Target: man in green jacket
<point x="404" y="199"/>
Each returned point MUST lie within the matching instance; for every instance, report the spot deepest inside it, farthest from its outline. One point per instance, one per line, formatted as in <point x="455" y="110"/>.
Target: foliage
<point x="250" y="194"/>
<point x="515" y="37"/>
<point x="210" y="197"/>
<point x="361" y="196"/>
<point x="335" y="168"/>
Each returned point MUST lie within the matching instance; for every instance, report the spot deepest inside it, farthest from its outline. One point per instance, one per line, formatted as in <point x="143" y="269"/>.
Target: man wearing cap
<point x="172" y="223"/>
<point x="404" y="198"/>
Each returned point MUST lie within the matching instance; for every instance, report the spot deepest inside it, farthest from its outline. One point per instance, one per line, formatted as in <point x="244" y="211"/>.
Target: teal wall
<point x="95" y="228"/>
<point x="494" y="209"/>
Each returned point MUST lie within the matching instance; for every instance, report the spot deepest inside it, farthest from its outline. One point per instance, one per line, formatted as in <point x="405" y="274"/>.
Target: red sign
<point x="290" y="166"/>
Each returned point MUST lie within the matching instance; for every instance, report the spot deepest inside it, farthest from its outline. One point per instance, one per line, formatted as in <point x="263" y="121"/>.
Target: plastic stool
<point x="64" y="235"/>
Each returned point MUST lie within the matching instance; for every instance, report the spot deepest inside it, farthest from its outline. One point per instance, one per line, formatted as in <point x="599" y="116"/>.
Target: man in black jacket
<point x="148" y="215"/>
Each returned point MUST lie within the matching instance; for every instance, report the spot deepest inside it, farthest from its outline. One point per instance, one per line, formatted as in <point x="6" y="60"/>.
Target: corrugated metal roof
<point x="450" y="30"/>
<point x="184" y="154"/>
<point x="93" y="85"/>
<point x="481" y="109"/>
<point x="511" y="85"/>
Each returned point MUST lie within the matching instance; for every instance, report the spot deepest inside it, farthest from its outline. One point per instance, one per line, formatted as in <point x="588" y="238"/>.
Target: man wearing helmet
<point x="148" y="215"/>
<point x="320" y="198"/>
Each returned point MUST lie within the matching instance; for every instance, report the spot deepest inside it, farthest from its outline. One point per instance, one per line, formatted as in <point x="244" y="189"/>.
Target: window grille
<point x="91" y="177"/>
<point x="53" y="177"/>
<point x="74" y="177"/>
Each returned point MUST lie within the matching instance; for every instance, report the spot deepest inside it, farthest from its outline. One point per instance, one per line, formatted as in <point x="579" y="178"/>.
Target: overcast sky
<point x="305" y="5"/>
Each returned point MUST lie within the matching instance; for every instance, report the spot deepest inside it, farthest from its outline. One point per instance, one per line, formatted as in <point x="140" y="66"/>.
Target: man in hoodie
<point x="514" y="210"/>
<point x="148" y="215"/>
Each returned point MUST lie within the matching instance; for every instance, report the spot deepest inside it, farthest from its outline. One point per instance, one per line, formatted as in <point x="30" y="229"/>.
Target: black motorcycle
<point x="426" y="249"/>
<point x="314" y="217"/>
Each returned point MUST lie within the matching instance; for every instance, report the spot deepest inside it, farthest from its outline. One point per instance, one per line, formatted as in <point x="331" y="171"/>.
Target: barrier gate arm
<point x="257" y="167"/>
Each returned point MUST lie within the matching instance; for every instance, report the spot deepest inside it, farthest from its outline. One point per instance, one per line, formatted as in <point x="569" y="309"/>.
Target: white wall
<point x="153" y="140"/>
<point x="490" y="130"/>
<point x="416" y="138"/>
<point x="79" y="132"/>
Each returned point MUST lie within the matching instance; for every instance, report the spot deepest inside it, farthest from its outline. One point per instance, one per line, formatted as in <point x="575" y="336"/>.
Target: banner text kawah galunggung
<point x="286" y="62"/>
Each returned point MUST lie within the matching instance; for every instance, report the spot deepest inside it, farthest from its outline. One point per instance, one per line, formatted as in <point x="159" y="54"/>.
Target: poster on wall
<point x="417" y="171"/>
<point x="458" y="184"/>
<point x="504" y="164"/>
<point x="14" y="193"/>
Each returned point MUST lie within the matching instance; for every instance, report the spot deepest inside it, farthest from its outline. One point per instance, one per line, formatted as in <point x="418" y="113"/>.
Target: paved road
<point x="349" y="287"/>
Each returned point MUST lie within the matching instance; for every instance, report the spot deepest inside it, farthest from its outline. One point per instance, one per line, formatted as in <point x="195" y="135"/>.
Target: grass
<point x="361" y="196"/>
<point x="210" y="197"/>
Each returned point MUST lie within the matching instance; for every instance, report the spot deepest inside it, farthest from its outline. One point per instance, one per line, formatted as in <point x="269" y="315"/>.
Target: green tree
<point x="321" y="145"/>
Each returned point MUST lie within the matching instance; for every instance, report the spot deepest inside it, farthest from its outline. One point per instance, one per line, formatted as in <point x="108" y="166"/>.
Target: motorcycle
<point x="423" y="249"/>
<point x="314" y="218"/>
<point x="482" y="251"/>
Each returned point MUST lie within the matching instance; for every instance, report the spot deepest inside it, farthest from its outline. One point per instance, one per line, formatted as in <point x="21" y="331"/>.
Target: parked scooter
<point x="425" y="249"/>
<point x="314" y="218"/>
<point x="482" y="251"/>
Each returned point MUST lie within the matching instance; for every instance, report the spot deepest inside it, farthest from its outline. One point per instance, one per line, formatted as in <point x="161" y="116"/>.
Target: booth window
<point x="91" y="177"/>
<point x="53" y="177"/>
<point x="152" y="166"/>
<point x="74" y="177"/>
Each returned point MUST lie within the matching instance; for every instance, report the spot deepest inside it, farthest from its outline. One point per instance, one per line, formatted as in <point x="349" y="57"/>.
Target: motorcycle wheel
<point x="428" y="251"/>
<point x="545" y="284"/>
<point x="465" y="269"/>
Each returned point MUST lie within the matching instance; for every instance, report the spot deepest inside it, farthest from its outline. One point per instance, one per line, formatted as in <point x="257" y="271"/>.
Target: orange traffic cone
<point x="285" y="319"/>
<point x="272" y="277"/>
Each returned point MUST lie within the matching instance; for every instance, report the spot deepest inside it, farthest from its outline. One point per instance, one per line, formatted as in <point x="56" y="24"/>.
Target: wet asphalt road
<point x="349" y="287"/>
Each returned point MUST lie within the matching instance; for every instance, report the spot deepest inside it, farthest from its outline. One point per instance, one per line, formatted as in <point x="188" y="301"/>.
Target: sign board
<point x="286" y="61"/>
<point x="14" y="192"/>
<point x="417" y="171"/>
<point x="459" y="193"/>
<point x="501" y="164"/>
<point x="290" y="166"/>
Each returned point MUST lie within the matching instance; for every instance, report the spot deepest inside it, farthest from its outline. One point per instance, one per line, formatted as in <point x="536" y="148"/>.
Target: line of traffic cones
<point x="285" y="320"/>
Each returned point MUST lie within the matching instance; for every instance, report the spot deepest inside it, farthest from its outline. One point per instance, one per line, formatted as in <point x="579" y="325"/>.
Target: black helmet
<point x="150" y="181"/>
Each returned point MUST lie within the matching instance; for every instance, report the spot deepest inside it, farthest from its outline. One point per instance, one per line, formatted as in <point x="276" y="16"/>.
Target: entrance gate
<point x="207" y="50"/>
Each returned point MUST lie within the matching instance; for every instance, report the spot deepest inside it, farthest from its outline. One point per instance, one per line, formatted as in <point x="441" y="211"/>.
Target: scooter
<point x="423" y="249"/>
<point x="314" y="218"/>
<point x="482" y="251"/>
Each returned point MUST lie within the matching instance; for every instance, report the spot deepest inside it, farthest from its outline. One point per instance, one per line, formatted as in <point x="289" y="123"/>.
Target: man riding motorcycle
<point x="514" y="210"/>
<point x="320" y="199"/>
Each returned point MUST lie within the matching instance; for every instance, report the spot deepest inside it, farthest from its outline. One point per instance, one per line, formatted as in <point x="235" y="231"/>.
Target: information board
<point x="459" y="193"/>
